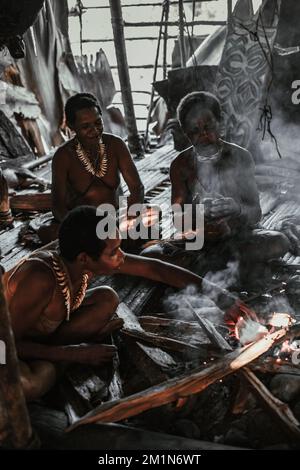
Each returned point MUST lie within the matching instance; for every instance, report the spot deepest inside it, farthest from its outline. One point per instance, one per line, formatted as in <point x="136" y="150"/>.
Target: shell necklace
<point x="98" y="169"/>
<point x="209" y="158"/>
<point x="66" y="287"/>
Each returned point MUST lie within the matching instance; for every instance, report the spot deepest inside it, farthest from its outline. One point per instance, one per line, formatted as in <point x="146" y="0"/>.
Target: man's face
<point x="111" y="258"/>
<point x="88" y="126"/>
<point x="202" y="129"/>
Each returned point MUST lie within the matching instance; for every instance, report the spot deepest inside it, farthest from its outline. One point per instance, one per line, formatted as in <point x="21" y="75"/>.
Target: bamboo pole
<point x="129" y="24"/>
<point x="140" y="38"/>
<point x="229" y="9"/>
<point x="15" y="427"/>
<point x="119" y="39"/>
<point x="165" y="40"/>
<point x="150" y="4"/>
<point x="181" y="33"/>
<point x="163" y="12"/>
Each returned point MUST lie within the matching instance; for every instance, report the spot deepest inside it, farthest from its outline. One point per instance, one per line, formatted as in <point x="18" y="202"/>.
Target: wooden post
<point x="181" y="33"/>
<point x="6" y="218"/>
<point x="167" y="9"/>
<point x="154" y="76"/>
<point x="229" y="9"/>
<point x="119" y="40"/>
<point x="15" y="427"/>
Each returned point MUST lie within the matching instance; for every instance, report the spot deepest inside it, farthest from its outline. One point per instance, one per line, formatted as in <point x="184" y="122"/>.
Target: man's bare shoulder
<point x="182" y="160"/>
<point x="237" y="153"/>
<point x="112" y="139"/>
<point x="36" y="274"/>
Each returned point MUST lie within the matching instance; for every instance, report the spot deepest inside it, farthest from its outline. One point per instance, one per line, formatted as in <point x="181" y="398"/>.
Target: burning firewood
<point x="186" y="385"/>
<point x="279" y="410"/>
<point x="133" y="329"/>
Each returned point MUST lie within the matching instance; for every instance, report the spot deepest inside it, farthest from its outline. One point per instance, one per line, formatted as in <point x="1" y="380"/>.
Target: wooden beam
<point x="40" y="202"/>
<point x="128" y="24"/>
<point x="181" y="33"/>
<point x="229" y="9"/>
<point x="150" y="4"/>
<point x="140" y="38"/>
<point x="120" y="48"/>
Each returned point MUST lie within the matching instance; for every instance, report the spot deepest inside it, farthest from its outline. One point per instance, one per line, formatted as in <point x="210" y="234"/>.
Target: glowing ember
<point x="286" y="350"/>
<point x="237" y="310"/>
<point x="248" y="331"/>
<point x="187" y="235"/>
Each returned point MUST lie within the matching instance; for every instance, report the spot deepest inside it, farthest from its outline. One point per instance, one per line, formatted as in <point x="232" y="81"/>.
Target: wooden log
<point x="212" y="333"/>
<point x="279" y="410"/>
<point x="133" y="329"/>
<point x="149" y="372"/>
<point x="31" y="202"/>
<point x="179" y="329"/>
<point x="50" y="425"/>
<point x="6" y="218"/>
<point x="186" y="385"/>
<point x="161" y="341"/>
<point x="275" y="366"/>
<point x="15" y="427"/>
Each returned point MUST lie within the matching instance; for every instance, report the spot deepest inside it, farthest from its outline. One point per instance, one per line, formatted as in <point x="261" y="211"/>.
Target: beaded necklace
<point x="65" y="284"/>
<point x="86" y="159"/>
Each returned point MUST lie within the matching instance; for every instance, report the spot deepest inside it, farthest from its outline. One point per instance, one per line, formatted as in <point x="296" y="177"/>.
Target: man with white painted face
<point x="219" y="175"/>
<point x="214" y="172"/>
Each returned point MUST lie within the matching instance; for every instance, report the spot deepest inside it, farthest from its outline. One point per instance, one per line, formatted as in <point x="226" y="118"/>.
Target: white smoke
<point x="205" y="303"/>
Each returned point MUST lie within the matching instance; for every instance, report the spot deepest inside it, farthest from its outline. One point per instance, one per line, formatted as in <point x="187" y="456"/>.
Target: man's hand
<point x="292" y="231"/>
<point x="113" y="325"/>
<point x="224" y="207"/>
<point x="92" y="354"/>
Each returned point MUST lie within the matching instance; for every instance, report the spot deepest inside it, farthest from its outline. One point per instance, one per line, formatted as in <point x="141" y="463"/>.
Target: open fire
<point x="245" y="326"/>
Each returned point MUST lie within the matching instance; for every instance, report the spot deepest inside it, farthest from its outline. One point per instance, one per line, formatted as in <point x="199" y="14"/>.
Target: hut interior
<point x="183" y="378"/>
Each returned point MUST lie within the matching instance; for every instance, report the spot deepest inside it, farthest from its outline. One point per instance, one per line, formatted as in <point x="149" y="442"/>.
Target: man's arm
<point x="93" y="354"/>
<point x="159" y="271"/>
<point x="25" y="311"/>
<point x="129" y="173"/>
<point x="179" y="193"/>
<point x="244" y="206"/>
<point x="250" y="205"/>
<point x="59" y="184"/>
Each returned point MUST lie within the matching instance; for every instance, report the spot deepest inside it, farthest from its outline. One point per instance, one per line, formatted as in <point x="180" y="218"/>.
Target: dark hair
<point x="77" y="234"/>
<point x="206" y="99"/>
<point x="80" y="101"/>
